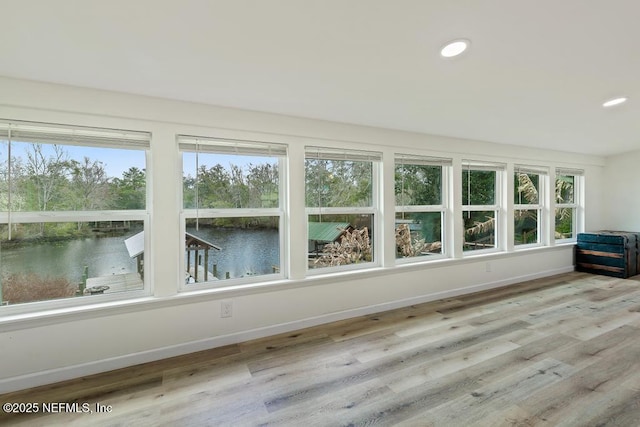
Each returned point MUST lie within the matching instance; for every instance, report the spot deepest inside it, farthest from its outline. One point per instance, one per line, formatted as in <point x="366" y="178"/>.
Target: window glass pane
<point x="526" y="188"/>
<point x="478" y="187"/>
<point x="55" y="260"/>
<point x="418" y="185"/>
<point x="564" y="189"/>
<point x="229" y="181"/>
<point x="230" y="248"/>
<point x="4" y="176"/>
<point x="418" y="234"/>
<point x="48" y="177"/>
<point x="480" y="230"/>
<point x="526" y="226"/>
<point x="340" y="240"/>
<point x="338" y="183"/>
<point x="564" y="223"/>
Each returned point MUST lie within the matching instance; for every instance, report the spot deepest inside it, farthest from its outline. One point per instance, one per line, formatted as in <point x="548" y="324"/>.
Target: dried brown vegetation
<point x="410" y="247"/>
<point x="354" y="247"/>
<point x="29" y="287"/>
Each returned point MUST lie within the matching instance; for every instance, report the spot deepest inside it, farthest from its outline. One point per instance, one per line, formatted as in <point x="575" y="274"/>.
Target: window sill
<point x="482" y="257"/>
<point x="60" y="315"/>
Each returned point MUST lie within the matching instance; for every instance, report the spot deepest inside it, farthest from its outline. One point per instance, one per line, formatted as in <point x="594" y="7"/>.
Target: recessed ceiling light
<point x="614" y="101"/>
<point x="454" y="48"/>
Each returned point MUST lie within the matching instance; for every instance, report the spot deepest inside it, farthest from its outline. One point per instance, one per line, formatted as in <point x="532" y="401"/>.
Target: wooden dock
<point x="117" y="282"/>
<point x="200" y="274"/>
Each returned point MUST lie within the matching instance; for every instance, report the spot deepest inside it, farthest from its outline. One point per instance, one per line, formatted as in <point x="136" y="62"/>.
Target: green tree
<point x="90" y="185"/>
<point x="262" y="183"/>
<point x="526" y="220"/>
<point x="4" y="179"/>
<point x="45" y="176"/>
<point x="564" y="215"/>
<point x="239" y="189"/>
<point x="478" y="187"/>
<point x="189" y="192"/>
<point x="338" y="183"/>
<point x="418" y="185"/>
<point x="213" y="187"/>
<point x="130" y="190"/>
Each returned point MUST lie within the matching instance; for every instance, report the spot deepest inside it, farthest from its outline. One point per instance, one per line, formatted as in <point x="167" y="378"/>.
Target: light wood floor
<point x="561" y="351"/>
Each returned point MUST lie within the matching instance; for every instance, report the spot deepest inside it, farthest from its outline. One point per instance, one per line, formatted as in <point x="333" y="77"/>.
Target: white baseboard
<point x="95" y="367"/>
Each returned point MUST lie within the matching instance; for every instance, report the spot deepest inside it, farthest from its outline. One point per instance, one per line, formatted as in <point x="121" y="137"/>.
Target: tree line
<point x="48" y="180"/>
<point x="235" y="187"/>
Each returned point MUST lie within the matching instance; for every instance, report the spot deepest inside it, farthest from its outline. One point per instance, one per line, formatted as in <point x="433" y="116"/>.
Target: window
<point x="567" y="203"/>
<point x="528" y="203"/>
<point x="420" y="205"/>
<point x="232" y="210"/>
<point x="72" y="199"/>
<point x="480" y="204"/>
<point x="341" y="197"/>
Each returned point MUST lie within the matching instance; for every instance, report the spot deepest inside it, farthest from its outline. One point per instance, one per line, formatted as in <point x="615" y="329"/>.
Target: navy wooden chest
<point x="612" y="253"/>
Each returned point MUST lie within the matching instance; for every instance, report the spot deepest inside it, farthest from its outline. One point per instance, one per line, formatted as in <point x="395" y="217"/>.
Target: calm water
<point x="104" y="256"/>
<point x="243" y="252"/>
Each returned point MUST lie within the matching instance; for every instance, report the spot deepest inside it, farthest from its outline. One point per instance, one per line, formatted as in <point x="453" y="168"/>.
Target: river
<point x="103" y="256"/>
<point x="244" y="252"/>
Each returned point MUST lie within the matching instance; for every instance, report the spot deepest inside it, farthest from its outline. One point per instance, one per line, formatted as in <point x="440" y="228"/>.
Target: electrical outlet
<point x="487" y="267"/>
<point x="226" y="309"/>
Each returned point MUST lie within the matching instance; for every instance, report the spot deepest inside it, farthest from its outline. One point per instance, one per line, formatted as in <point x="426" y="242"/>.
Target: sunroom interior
<point x="437" y="176"/>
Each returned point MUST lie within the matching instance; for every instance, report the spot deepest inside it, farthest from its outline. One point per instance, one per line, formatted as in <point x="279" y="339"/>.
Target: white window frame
<point x="543" y="178"/>
<point x="212" y="145"/>
<point x="576" y="205"/>
<point x="72" y="135"/>
<point x="497" y="208"/>
<point x="328" y="153"/>
<point x="445" y="165"/>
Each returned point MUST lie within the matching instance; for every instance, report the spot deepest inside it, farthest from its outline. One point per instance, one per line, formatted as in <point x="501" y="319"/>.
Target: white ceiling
<point x="536" y="74"/>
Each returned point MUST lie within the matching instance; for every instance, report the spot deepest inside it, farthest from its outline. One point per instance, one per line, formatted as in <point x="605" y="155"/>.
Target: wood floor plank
<point x="414" y="402"/>
<point x="585" y="387"/>
<point x="388" y="365"/>
<point x="513" y="389"/>
<point x="622" y="408"/>
<point x="584" y="353"/>
<point x="383" y="321"/>
<point x="452" y="362"/>
<point x="600" y="326"/>
<point x="330" y="409"/>
<point x="556" y="314"/>
<point x="394" y="345"/>
<point x="556" y="351"/>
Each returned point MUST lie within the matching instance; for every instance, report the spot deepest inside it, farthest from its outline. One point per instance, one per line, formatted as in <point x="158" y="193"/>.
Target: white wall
<point x="67" y="343"/>
<point x="621" y="201"/>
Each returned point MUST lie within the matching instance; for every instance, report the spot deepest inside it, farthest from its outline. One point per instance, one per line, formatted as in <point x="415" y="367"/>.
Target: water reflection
<point x="103" y="256"/>
<point x="244" y="251"/>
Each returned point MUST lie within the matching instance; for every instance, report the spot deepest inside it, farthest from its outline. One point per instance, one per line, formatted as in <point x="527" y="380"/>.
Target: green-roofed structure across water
<point x="327" y="232"/>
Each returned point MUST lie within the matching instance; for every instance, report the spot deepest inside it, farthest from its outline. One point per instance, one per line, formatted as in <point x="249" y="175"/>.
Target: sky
<point x="116" y="161"/>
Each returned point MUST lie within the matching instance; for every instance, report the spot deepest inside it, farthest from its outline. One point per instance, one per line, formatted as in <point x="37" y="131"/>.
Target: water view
<point x="244" y="252"/>
<point x="103" y="256"/>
